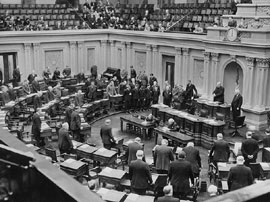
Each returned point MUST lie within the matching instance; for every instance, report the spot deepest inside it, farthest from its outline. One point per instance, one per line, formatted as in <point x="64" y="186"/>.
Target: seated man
<point x="167" y="190"/>
<point x="5" y="95"/>
<point x="172" y="125"/>
<point x="50" y="95"/>
<point x="11" y="92"/>
<point x="67" y="72"/>
<point x="79" y="98"/>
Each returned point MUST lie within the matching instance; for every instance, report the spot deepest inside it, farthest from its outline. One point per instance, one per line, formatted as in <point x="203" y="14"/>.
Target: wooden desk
<point x="74" y="168"/>
<point x="85" y="151"/>
<point x="111" y="195"/>
<point x="111" y="176"/>
<point x="223" y="170"/>
<point x="145" y="127"/>
<point x="105" y="156"/>
<point x="175" y="136"/>
<point x="266" y="169"/>
<point x="116" y="102"/>
<point x="138" y="198"/>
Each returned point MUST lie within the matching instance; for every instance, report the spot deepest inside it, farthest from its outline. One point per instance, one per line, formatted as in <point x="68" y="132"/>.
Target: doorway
<point x="168" y="69"/>
<point x="8" y="62"/>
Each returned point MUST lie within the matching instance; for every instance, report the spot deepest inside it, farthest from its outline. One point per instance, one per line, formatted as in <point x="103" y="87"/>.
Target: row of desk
<point x="203" y="130"/>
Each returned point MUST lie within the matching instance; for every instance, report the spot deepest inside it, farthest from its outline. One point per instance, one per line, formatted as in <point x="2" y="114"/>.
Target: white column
<point x="215" y="62"/>
<point x="178" y="66"/>
<point x="148" y="59"/>
<point x="28" y="63"/>
<point x="261" y="83"/>
<point x="124" y="56"/>
<point x="72" y="52"/>
<point x="103" y="56"/>
<point x="206" y="74"/>
<point x="186" y="76"/>
<point x="155" y="60"/>
<point x="113" y="54"/>
<point x="37" y="67"/>
<point x="129" y="55"/>
<point x="81" y="56"/>
<point x="248" y="92"/>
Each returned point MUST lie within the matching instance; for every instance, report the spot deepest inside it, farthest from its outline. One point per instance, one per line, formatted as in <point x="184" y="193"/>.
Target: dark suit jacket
<point x="239" y="176"/>
<point x="75" y="121"/>
<point x="35" y="86"/>
<point x="139" y="173"/>
<point x="193" y="156"/>
<point x="79" y="100"/>
<point x="36" y="125"/>
<point x="167" y="199"/>
<point x="190" y="91"/>
<point x="37" y="102"/>
<point x="237" y="102"/>
<point x="221" y="151"/>
<point x="64" y="141"/>
<point x="266" y="141"/>
<point x="133" y="147"/>
<point x="167" y="97"/>
<point x="180" y="171"/>
<point x="68" y="115"/>
<point x="163" y="156"/>
<point x="106" y="135"/>
<point x="219" y="94"/>
<point x="5" y="97"/>
<point x="12" y="94"/>
<point x="16" y="75"/>
<point x="250" y="147"/>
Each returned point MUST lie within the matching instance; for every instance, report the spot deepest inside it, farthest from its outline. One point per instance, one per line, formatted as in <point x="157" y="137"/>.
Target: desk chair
<point x="204" y="113"/>
<point x="238" y="123"/>
<point x="220" y="117"/>
<point x="256" y="171"/>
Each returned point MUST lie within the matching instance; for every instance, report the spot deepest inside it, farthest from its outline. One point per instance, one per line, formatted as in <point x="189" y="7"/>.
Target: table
<point x="173" y="135"/>
<point x="111" y="176"/>
<point x="145" y="128"/>
<point x="105" y="156"/>
<point x="116" y="102"/>
<point x="135" y="197"/>
<point x="223" y="170"/>
<point x="73" y="167"/>
<point x="85" y="151"/>
<point x="265" y="169"/>
<point x="111" y="195"/>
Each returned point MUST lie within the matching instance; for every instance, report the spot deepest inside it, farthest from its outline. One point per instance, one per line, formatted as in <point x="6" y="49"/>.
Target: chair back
<point x="220" y="116"/>
<point x="256" y="170"/>
<point x="203" y="113"/>
<point x="51" y="153"/>
<point x="239" y="121"/>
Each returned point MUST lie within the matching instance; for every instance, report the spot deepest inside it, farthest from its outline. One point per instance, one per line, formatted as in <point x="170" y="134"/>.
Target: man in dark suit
<point x="68" y="112"/>
<point x="139" y="174"/>
<point x="180" y="172"/>
<point x="35" y="85"/>
<point x="236" y="104"/>
<point x="193" y="156"/>
<point x="1" y="76"/>
<point x="31" y="77"/>
<point x="106" y="135"/>
<point x="75" y="126"/>
<point x="250" y="149"/>
<point x="64" y="142"/>
<point x="67" y="72"/>
<point x="16" y="77"/>
<point x="232" y="22"/>
<point x="266" y="143"/>
<point x="36" y="128"/>
<point x="220" y="151"/>
<point x="56" y="74"/>
<point x="133" y="147"/>
<point x="167" y="190"/>
<point x="163" y="155"/>
<point x="219" y="93"/>
<point x="190" y="89"/>
<point x="133" y="73"/>
<point x="37" y="101"/>
<point x="167" y="96"/>
<point x="240" y="175"/>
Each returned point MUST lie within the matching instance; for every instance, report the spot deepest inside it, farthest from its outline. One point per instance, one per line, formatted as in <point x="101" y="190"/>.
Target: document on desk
<point x="264" y="165"/>
<point x="222" y="164"/>
<point x="107" y="170"/>
<point x="132" y="197"/>
<point x="267" y="148"/>
<point x="102" y="191"/>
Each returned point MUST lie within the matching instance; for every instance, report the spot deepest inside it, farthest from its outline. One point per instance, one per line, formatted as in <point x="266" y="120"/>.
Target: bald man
<point x="219" y="93"/>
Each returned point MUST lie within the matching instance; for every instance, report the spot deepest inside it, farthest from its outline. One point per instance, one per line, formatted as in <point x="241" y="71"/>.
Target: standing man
<point x="236" y="104"/>
<point x="167" y="96"/>
<point x="56" y="74"/>
<point x="163" y="155"/>
<point x="220" y="151"/>
<point x="219" y="93"/>
<point x="190" y="89"/>
<point x="249" y="149"/>
<point x="46" y="73"/>
<point x="266" y="143"/>
<point x="193" y="156"/>
<point x="240" y="175"/>
<point x="16" y="76"/>
<point x="35" y="85"/>
<point x="75" y="126"/>
<point x="106" y="135"/>
<point x="139" y="174"/>
<point x="36" y="128"/>
<point x="133" y="147"/>
<point x="180" y="172"/>
<point x="133" y="73"/>
<point x="64" y="142"/>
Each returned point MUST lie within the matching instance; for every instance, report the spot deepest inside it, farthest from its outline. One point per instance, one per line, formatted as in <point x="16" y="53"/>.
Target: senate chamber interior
<point x="134" y="100"/>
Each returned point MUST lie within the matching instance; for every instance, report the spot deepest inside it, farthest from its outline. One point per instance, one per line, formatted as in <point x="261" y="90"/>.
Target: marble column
<point x="178" y="66"/>
<point x="261" y="83"/>
<point x="129" y="55"/>
<point x="28" y="58"/>
<point x="38" y="69"/>
<point x="185" y="68"/>
<point x="206" y="74"/>
<point x="248" y="92"/>
<point x="148" y="59"/>
<point x="103" y="56"/>
<point x="81" y="57"/>
<point x="124" y="56"/>
<point x="215" y="75"/>
<point x="113" y="54"/>
<point x="72" y="60"/>
<point x="155" y="60"/>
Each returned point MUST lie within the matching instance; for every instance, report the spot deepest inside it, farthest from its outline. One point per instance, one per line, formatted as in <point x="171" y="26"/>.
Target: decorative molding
<point x="103" y="42"/>
<point x="185" y="51"/>
<point x="178" y="50"/>
<point x="245" y="35"/>
<point x="80" y="44"/>
<point x="263" y="10"/>
<point x="36" y="45"/>
<point x="72" y="43"/>
<point x="250" y="61"/>
<point x="206" y="55"/>
<point x="233" y="58"/>
<point x="27" y="46"/>
<point x="263" y="62"/>
<point x="148" y="47"/>
<point x="129" y="44"/>
<point x="215" y="56"/>
<point x="155" y="48"/>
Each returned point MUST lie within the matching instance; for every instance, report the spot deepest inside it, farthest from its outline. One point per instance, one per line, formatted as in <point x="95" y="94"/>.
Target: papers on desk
<point x="69" y="161"/>
<point x="102" y="191"/>
<point x="267" y="148"/>
<point x="144" y="123"/>
<point x="107" y="170"/>
<point x="165" y="128"/>
<point x="220" y="164"/>
<point x="132" y="197"/>
<point x="264" y="165"/>
<point x="102" y="150"/>
<point x="237" y="148"/>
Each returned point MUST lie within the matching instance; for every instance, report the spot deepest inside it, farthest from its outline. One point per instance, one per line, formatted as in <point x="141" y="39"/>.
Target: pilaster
<point x="248" y="92"/>
<point x="124" y="56"/>
<point x="72" y="52"/>
<point x="155" y="60"/>
<point x="206" y="74"/>
<point x="27" y="58"/>
<point x="113" y="54"/>
<point x="103" y="55"/>
<point x="215" y="65"/>
<point x="178" y="66"/>
<point x="148" y="59"/>
<point x="81" y="56"/>
<point x="185" y="65"/>
<point x="129" y="55"/>
<point x="37" y="67"/>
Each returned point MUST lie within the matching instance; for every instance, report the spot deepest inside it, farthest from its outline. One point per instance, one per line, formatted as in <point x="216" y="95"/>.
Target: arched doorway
<point x="233" y="78"/>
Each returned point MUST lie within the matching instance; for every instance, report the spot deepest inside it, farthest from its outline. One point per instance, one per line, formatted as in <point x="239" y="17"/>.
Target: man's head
<point x="237" y="91"/>
<point x="138" y="140"/>
<point x="189" y="81"/>
<point x="219" y="136"/>
<point x="50" y="88"/>
<point x="267" y="131"/>
<point x="65" y="125"/>
<point x="139" y="154"/>
<point x="249" y="134"/>
<point x="164" y="142"/>
<point x="182" y="155"/>
<point x="107" y="122"/>
<point x="212" y="190"/>
<point x="170" y="121"/>
<point x="218" y="84"/>
<point x="190" y="144"/>
<point x="240" y="160"/>
<point x="167" y="190"/>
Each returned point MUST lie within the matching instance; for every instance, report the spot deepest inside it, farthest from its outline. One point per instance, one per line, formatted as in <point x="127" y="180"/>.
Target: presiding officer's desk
<point x="203" y="130"/>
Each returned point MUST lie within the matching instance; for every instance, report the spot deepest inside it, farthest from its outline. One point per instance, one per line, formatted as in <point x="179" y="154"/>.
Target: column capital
<point x="123" y="43"/>
<point x="206" y="55"/>
<point x="250" y="61"/>
<point x="36" y="45"/>
<point x="80" y="43"/>
<point x="233" y="57"/>
<point x="178" y="50"/>
<point x="148" y="47"/>
<point x="215" y="56"/>
<point x="72" y="43"/>
<point x="185" y="51"/>
<point x="103" y="42"/>
<point x="129" y="44"/>
<point x="263" y="62"/>
<point x="155" y="48"/>
<point x="27" y="46"/>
